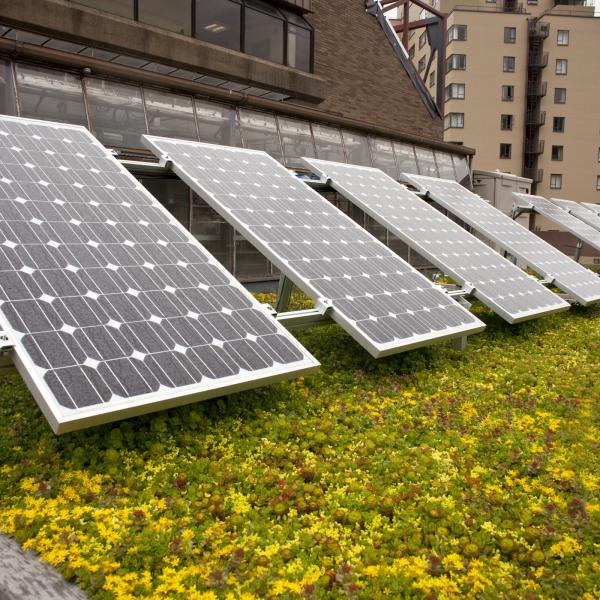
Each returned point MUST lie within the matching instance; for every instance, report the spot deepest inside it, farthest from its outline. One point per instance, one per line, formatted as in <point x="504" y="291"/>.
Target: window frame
<point x="557" y="152"/>
<point x="559" y="129"/>
<point x="459" y="120"/>
<point x="556" y="181"/>
<point x="558" y="37"/>
<point x="505" y="151"/>
<point x="454" y="34"/>
<point x="510" y="119"/>
<point x="450" y="62"/>
<point x="562" y="92"/>
<point x="509" y="96"/>
<point x="598" y="183"/>
<point x="508" y="37"/>
<point x="563" y="62"/>
<point x="451" y="86"/>
<point x="507" y="59"/>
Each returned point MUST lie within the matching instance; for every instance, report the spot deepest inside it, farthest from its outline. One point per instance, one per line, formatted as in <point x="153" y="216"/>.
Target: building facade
<point x="521" y="83"/>
<point x="291" y="77"/>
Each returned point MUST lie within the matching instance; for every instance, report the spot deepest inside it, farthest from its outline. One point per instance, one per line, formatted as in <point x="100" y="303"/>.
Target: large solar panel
<point x="595" y="208"/>
<point x="113" y="307"/>
<point x="579" y="282"/>
<point x="385" y="304"/>
<point x="494" y="280"/>
<point x="580" y="211"/>
<point x="561" y="217"/>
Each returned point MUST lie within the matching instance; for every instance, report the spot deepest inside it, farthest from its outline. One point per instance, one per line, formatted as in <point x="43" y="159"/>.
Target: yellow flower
<point x="565" y="547"/>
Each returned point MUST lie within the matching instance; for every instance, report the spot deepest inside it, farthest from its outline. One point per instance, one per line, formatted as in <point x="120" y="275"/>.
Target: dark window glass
<point x="249" y="262"/>
<point x="376" y="230"/>
<point x="560" y="95"/>
<point x="170" y="115"/>
<point x="557" y="152"/>
<point x="51" y="95"/>
<point x="260" y="132"/>
<point x="510" y="35"/>
<point x="299" y="44"/>
<point x="174" y="15"/>
<point x="173" y="194"/>
<point x="357" y="148"/>
<point x="7" y="90"/>
<point x="219" y="22"/>
<point x="116" y="113"/>
<point x="123" y="8"/>
<point x="508" y="93"/>
<point x="217" y="124"/>
<point x="405" y="158"/>
<point x="297" y="141"/>
<point x="558" y="124"/>
<point x="506" y="122"/>
<point x="505" y="150"/>
<point x="328" y="142"/>
<point x="508" y="64"/>
<point x="461" y="166"/>
<point x="213" y="232"/>
<point x="398" y="246"/>
<point x="263" y="33"/>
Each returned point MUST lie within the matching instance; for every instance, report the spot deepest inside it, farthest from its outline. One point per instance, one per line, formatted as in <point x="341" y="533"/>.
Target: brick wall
<point x="365" y="79"/>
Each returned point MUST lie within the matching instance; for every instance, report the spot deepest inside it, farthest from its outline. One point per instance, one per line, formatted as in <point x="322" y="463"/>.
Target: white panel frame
<point x="579" y="211"/>
<point x="63" y="419"/>
<point x="375" y="349"/>
<point x="315" y="166"/>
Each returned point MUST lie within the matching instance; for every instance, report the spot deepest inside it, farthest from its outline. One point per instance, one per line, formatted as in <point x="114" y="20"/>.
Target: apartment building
<point x="520" y="85"/>
<point x="290" y="77"/>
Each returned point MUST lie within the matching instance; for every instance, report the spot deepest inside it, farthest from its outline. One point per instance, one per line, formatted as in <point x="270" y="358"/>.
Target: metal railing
<point x="537" y="88"/>
<point x="537" y="119"/>
<point x="536" y="175"/>
<point x="534" y="147"/>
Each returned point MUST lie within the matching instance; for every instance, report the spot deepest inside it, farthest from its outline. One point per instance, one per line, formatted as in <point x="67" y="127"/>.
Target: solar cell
<point x="113" y="307"/>
<point x="576" y="280"/>
<point x="580" y="211"/>
<point x="561" y="217"/>
<point x="499" y="284"/>
<point x="383" y="302"/>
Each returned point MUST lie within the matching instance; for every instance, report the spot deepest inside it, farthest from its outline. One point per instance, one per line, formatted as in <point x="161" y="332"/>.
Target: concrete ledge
<point x="69" y="21"/>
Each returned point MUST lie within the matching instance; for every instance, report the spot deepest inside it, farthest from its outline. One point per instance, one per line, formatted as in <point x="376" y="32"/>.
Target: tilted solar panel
<point x="113" y="307"/>
<point x="561" y="217"/>
<point x="577" y="281"/>
<point x="499" y="284"/>
<point x="595" y="208"/>
<point x="580" y="211"/>
<point x="383" y="302"/>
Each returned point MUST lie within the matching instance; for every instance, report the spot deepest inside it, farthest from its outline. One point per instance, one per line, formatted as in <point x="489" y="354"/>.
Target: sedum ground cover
<point x="432" y="474"/>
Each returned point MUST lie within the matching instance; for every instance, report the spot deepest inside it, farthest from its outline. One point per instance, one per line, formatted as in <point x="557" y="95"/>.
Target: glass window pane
<point x="7" y="91"/>
<point x="297" y="141"/>
<point x="461" y="166"/>
<point x="249" y="262"/>
<point x="375" y="229"/>
<point x="116" y="112"/>
<point x="174" y="15"/>
<point x="170" y="115"/>
<point x="263" y="35"/>
<point x="398" y="246"/>
<point x="51" y="95"/>
<point x="357" y="148"/>
<point x="173" y="194"/>
<point x="260" y="132"/>
<point x="217" y="124"/>
<point x="405" y="158"/>
<point x="445" y="165"/>
<point x="383" y="156"/>
<point x="426" y="161"/>
<point x="328" y="142"/>
<point x="298" y="48"/>
<point x="123" y="8"/>
<point x="219" y="22"/>
<point x="213" y="232"/>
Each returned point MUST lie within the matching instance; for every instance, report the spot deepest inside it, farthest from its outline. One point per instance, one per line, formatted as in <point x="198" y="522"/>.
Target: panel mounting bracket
<point x="6" y="343"/>
<point x="164" y="162"/>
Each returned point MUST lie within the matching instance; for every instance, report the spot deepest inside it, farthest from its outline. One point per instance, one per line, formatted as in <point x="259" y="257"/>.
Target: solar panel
<point x="561" y="217"/>
<point x="113" y="307"/>
<point x="580" y="211"/>
<point x="499" y="284"/>
<point x="595" y="208"/>
<point x="577" y="281"/>
<point x="385" y="304"/>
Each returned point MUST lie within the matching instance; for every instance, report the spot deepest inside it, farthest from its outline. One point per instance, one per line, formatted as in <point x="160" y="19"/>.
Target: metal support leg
<point x="460" y="343"/>
<point x="284" y="293"/>
<point x="578" y="250"/>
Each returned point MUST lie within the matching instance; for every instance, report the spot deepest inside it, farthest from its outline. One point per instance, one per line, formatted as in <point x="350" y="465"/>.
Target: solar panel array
<point x="498" y="283"/>
<point x="377" y="297"/>
<point x="113" y="307"/>
<point x="577" y="281"/>
<point x="595" y="208"/>
<point x="561" y="217"/>
<point x="580" y="211"/>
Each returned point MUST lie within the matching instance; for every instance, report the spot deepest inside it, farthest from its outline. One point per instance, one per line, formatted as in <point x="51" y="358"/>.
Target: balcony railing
<point x="538" y="88"/>
<point x="537" y="119"/>
<point x="539" y="30"/>
<point x="534" y="147"/>
<point x="533" y="173"/>
<point x="538" y="61"/>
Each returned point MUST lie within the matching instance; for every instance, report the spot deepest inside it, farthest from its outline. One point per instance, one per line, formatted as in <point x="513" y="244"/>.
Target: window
<point x="506" y="122"/>
<point x="557" y="152"/>
<point x="123" y="8"/>
<point x="173" y="194"/>
<point x="445" y="165"/>
<point x="508" y="93"/>
<point x="296" y="140"/>
<point x="455" y="91"/>
<point x="8" y="105"/>
<point x="560" y="95"/>
<point x="219" y="22"/>
<point x="170" y="115"/>
<point x="263" y="31"/>
<point x="454" y="121"/>
<point x="562" y="37"/>
<point x="426" y="161"/>
<point x="260" y="132"/>
<point x="558" y="124"/>
<point x="217" y="124"/>
<point x="505" y="150"/>
<point x="421" y="66"/>
<point x="510" y="35"/>
<point x="328" y="142"/>
<point x="299" y="42"/>
<point x="508" y="64"/>
<point x="411" y="52"/>
<point x="457" y="62"/>
<point x="357" y="148"/>
<point x="555" y="181"/>
<point x="382" y="152"/>
<point x="598" y="154"/>
<point x="422" y="39"/>
<point x="432" y="79"/>
<point x="457" y="33"/>
<point x="405" y="158"/>
<point x="174" y="15"/>
<point x="561" y="66"/>
<point x="598" y="182"/>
